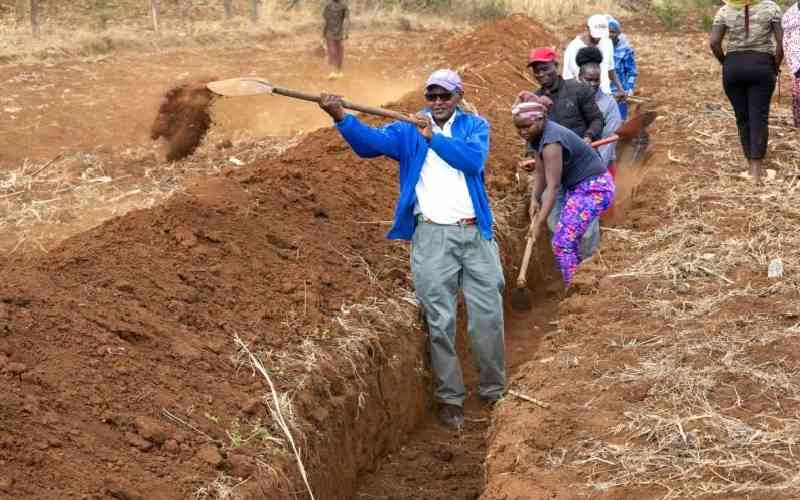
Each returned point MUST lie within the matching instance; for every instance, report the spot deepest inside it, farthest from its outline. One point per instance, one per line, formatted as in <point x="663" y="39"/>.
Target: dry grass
<point x="222" y="488"/>
<point x="76" y="33"/>
<point x="553" y="12"/>
<point x="85" y="30"/>
<point x="43" y="203"/>
<point x="718" y="417"/>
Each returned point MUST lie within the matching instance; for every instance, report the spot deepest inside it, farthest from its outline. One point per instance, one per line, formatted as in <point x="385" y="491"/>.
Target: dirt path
<point x="109" y="102"/>
<point x="88" y="122"/>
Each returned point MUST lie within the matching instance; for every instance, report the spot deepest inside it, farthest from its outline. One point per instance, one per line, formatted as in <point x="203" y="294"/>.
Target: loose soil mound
<point x="118" y="326"/>
<point x="183" y="119"/>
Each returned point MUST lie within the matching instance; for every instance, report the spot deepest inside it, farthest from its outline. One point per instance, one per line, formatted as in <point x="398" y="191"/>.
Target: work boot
<point x="490" y="403"/>
<point x="451" y="416"/>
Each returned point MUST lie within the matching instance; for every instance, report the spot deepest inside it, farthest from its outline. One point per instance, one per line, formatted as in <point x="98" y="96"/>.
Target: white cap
<point x="598" y="26"/>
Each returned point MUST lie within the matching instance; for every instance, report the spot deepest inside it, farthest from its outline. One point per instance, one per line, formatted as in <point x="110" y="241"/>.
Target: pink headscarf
<point x="529" y="105"/>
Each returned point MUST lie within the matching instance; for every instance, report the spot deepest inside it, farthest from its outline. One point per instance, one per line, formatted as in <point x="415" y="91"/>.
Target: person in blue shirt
<point x="624" y="62"/>
<point x="444" y="210"/>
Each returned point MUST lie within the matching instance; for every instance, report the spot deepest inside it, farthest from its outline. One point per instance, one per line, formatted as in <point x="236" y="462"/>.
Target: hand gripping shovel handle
<point x="371" y="110"/>
<point x="526" y="258"/>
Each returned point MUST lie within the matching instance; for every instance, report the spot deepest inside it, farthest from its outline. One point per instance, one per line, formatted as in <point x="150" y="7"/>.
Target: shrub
<point x="669" y="12"/>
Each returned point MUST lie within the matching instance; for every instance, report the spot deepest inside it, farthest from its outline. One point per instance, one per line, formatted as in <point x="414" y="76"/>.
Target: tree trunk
<point x="228" y="9"/>
<point x="20" y="12"/>
<point x="254" y="10"/>
<point x="154" y="13"/>
<point x="35" y="17"/>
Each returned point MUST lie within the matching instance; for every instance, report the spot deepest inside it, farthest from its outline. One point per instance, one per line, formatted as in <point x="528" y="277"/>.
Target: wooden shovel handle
<point x="602" y="142"/>
<point x="526" y="258"/>
<point x="371" y="110"/>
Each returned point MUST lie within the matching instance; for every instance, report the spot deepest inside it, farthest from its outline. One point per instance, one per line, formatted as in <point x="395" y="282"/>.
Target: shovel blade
<point x="521" y="299"/>
<point x="635" y="125"/>
<point x="240" y="87"/>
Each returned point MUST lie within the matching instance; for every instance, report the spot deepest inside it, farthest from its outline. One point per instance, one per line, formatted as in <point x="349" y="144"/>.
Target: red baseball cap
<point x="542" y="54"/>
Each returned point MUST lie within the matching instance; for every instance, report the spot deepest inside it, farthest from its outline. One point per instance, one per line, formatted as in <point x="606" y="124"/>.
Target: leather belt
<point x="462" y="222"/>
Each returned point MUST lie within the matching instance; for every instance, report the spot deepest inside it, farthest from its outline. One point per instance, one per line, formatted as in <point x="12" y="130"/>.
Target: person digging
<point x="563" y="161"/>
<point x="444" y="210"/>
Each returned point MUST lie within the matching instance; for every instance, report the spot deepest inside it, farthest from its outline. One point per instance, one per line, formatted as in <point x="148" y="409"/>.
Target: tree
<point x="228" y="9"/>
<point x="20" y="11"/>
<point x="35" y="17"/>
<point x="154" y="13"/>
<point x="254" y="10"/>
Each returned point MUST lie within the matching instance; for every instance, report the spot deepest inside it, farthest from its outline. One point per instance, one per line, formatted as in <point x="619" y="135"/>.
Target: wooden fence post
<point x="20" y="10"/>
<point x="254" y="10"/>
<point x="35" y="17"/>
<point x="154" y="13"/>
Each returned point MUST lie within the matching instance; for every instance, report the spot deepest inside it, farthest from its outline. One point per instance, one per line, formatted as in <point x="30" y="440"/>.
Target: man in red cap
<point x="573" y="102"/>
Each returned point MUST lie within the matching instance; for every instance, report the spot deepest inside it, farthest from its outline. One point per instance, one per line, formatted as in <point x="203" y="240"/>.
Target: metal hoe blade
<point x="240" y="87"/>
<point x="521" y="299"/>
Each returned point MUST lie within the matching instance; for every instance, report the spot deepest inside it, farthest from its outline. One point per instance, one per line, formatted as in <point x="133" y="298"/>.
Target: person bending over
<point x="563" y="161"/>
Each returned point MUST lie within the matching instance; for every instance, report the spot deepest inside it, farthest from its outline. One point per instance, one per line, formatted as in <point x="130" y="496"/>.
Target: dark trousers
<point x="335" y="53"/>
<point x="749" y="81"/>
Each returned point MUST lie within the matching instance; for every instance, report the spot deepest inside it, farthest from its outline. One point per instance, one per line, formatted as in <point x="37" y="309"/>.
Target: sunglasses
<point x="444" y="97"/>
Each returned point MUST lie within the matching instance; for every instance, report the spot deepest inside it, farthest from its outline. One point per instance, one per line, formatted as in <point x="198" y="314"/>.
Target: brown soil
<point x="135" y="318"/>
<point x="592" y="368"/>
<point x="183" y="119"/>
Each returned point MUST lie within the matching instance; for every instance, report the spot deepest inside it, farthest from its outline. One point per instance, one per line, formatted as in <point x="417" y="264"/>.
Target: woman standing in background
<point x="791" y="47"/>
<point x="749" y="69"/>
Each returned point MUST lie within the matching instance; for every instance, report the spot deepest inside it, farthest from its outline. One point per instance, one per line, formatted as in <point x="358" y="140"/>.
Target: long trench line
<point x="437" y="463"/>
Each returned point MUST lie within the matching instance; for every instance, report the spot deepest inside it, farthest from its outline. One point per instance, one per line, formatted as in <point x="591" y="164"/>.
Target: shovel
<point x="636" y="125"/>
<point x="247" y="86"/>
<point x="530" y="163"/>
<point x="521" y="296"/>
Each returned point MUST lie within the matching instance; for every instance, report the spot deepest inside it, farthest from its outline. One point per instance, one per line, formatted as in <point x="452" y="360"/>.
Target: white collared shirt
<point x="442" y="194"/>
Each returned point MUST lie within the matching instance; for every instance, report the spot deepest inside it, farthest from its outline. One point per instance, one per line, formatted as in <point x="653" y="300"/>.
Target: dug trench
<point x="123" y="378"/>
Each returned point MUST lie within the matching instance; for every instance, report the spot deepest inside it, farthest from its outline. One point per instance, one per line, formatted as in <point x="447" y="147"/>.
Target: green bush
<point x="669" y="12"/>
<point x="491" y="9"/>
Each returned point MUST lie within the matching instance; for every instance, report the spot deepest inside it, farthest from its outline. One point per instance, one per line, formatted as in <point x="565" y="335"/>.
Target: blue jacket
<point x="625" y="64"/>
<point x="466" y="151"/>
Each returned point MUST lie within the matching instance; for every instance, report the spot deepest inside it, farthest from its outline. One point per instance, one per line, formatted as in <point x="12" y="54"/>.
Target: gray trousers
<point x="445" y="258"/>
<point x="591" y="238"/>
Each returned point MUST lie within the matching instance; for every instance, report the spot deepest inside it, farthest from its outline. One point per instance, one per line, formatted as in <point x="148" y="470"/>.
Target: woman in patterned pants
<point x="562" y="160"/>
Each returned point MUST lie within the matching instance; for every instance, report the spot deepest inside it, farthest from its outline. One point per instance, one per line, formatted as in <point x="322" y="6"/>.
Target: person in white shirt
<point x="443" y="208"/>
<point x="595" y="35"/>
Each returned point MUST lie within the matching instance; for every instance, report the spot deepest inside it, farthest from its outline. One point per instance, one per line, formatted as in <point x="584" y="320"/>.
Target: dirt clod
<point x="210" y="455"/>
<point x="137" y="441"/>
<point x="183" y="119"/>
<point x="240" y="465"/>
<point x="16" y="368"/>
<point x="6" y="483"/>
<point x="151" y="429"/>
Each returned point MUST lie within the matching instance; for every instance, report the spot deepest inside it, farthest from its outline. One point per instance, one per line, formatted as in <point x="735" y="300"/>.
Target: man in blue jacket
<point x="444" y="210"/>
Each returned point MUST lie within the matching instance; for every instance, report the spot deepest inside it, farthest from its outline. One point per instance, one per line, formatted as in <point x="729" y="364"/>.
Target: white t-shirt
<point x="571" y="69"/>
<point x="442" y="194"/>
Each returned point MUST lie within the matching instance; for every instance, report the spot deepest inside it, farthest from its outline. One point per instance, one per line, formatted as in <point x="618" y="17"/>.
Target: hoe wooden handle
<point x="370" y="110"/>
<point x="526" y="258"/>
